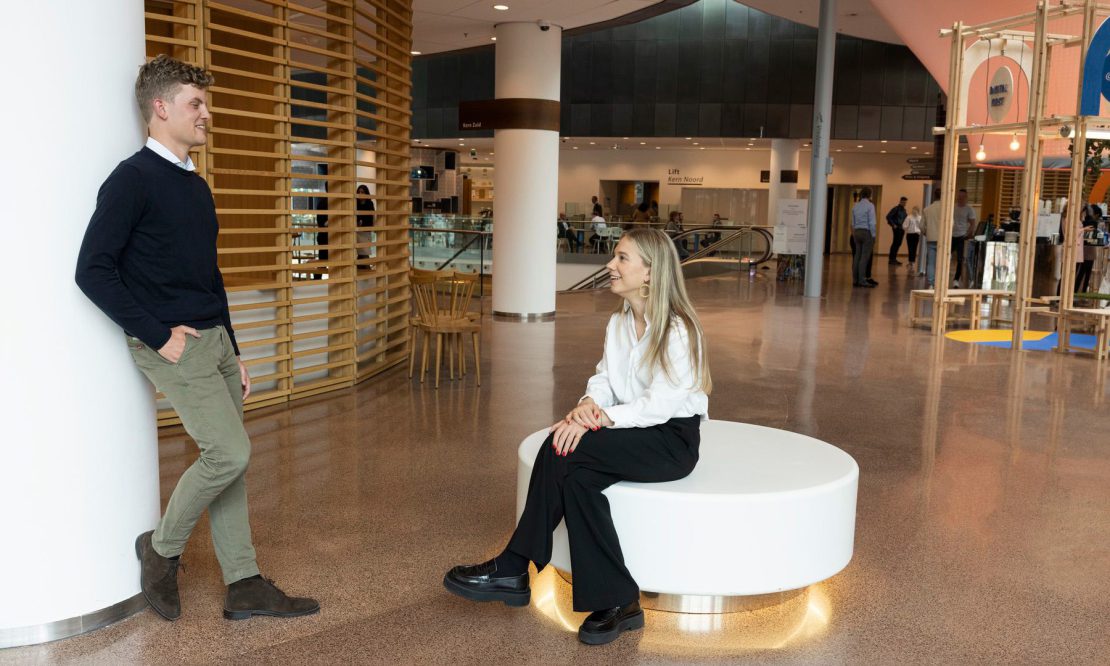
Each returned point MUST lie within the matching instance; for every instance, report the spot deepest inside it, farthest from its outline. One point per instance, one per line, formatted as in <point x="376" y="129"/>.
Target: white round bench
<point x="764" y="511"/>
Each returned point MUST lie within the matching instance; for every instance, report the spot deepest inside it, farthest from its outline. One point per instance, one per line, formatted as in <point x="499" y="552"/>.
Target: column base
<point x="706" y="604"/>
<point x="74" y="626"/>
<point x="525" y="316"/>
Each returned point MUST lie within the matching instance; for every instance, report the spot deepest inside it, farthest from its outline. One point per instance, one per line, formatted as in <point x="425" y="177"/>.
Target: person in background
<point x="930" y="226"/>
<point x="597" y="223"/>
<point x="895" y="218"/>
<point x="654" y="210"/>
<point x="864" y="231"/>
<point x="912" y="227"/>
<point x="641" y="217"/>
<point x="963" y="227"/>
<point x="565" y="231"/>
<point x="365" y="207"/>
<point x="1085" y="254"/>
<point x="673" y="228"/>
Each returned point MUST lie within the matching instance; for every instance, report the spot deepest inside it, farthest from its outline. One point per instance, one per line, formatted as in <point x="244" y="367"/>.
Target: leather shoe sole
<point x="510" y="598"/>
<point x="139" y="554"/>
<point x="247" y="614"/>
<point x="602" y="637"/>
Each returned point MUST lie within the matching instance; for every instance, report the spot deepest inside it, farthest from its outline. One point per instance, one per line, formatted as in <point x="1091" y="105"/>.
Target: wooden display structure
<point x="299" y="85"/>
<point x="1037" y="127"/>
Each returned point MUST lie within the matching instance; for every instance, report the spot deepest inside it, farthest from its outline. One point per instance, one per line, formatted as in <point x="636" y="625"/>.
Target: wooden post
<point x="948" y="180"/>
<point x="1031" y="177"/>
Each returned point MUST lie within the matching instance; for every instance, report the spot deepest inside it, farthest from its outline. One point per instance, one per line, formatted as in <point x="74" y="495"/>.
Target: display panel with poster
<point x="791" y="231"/>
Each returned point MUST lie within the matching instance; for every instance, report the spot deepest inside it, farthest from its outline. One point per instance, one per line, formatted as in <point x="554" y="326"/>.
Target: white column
<point x="79" y="477"/>
<point x="784" y="156"/>
<point x="526" y="175"/>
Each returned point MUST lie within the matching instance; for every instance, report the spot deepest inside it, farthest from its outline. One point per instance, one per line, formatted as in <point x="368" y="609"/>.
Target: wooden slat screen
<point x="311" y="100"/>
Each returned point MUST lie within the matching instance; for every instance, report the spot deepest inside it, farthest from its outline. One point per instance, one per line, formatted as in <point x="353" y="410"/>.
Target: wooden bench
<point x="973" y="298"/>
<point x="1099" y="318"/>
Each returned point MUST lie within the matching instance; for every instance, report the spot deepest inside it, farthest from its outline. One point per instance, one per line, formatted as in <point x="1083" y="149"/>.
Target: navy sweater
<point x="149" y="255"/>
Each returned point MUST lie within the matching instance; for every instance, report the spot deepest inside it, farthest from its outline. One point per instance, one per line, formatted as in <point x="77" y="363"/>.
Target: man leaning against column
<point x="148" y="261"/>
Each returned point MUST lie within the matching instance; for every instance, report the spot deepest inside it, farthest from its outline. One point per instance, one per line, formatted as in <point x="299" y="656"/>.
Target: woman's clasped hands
<point x="568" y="431"/>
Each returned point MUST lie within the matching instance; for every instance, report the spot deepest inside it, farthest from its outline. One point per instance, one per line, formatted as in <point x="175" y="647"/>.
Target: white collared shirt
<point x="632" y="396"/>
<point x="162" y="151"/>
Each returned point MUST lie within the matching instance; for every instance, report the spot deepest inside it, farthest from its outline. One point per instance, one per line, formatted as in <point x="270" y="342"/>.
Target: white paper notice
<point x="791" y="230"/>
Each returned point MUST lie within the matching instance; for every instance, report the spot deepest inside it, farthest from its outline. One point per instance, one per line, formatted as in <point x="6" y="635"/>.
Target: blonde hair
<point x="667" y="300"/>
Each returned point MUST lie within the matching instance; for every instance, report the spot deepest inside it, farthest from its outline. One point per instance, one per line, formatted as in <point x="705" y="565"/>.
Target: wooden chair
<point x="443" y="302"/>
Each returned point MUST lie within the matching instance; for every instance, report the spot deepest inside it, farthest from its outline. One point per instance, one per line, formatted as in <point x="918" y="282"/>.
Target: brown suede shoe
<point x="259" y="596"/>
<point x="158" y="578"/>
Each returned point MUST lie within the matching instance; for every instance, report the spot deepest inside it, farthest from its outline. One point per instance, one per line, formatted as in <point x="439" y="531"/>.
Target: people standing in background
<point x="864" y="231"/>
<point x="654" y="210"/>
<point x="565" y="231"/>
<point x="673" y="228"/>
<point x="930" y="226"/>
<point x="595" y="205"/>
<point x="895" y="218"/>
<point x="1085" y="254"/>
<point x="641" y="217"/>
<point x="963" y="226"/>
<point x="912" y="227"/>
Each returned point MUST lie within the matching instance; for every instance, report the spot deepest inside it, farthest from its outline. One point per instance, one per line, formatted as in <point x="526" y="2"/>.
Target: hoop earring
<point x="645" y="290"/>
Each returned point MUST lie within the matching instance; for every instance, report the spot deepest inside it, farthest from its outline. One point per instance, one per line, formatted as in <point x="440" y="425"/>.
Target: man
<point x="895" y="218"/>
<point x="863" y="234"/>
<point x="963" y="227"/>
<point x="930" y="222"/>
<point x="565" y="231"/>
<point x="148" y="261"/>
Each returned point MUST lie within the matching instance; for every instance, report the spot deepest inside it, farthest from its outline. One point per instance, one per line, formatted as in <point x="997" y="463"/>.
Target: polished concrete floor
<point x="983" y="529"/>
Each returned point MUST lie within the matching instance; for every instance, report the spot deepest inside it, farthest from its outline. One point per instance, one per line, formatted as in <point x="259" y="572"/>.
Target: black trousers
<point x="911" y="246"/>
<point x="896" y="243"/>
<point x="852" y="244"/>
<point x="1083" y="274"/>
<point x="569" y="487"/>
<point x="958" y="255"/>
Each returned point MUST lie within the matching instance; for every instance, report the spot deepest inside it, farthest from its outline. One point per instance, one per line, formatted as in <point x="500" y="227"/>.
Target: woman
<point x="913" y="236"/>
<point x="639" y="421"/>
<point x="641" y="217"/>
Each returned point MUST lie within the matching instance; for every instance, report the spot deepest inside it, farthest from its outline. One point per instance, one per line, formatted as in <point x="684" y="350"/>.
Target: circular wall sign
<point x="1001" y="94"/>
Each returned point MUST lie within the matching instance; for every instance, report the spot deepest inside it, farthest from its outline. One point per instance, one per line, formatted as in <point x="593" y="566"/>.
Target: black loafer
<point x="158" y="578"/>
<point x="604" y="626"/>
<point x="480" y="582"/>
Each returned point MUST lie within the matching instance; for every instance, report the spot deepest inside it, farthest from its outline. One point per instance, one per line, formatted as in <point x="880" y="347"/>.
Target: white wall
<point x="581" y="170"/>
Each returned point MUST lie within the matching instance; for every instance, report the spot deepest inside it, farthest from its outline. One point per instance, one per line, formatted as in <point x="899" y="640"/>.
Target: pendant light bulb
<point x="1014" y="144"/>
<point x="981" y="155"/>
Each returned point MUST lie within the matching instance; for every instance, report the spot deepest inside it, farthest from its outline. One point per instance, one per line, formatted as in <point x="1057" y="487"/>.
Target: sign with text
<point x="791" y="227"/>
<point x="676" y="177"/>
<point x="1001" y="87"/>
<point x="509" y="113"/>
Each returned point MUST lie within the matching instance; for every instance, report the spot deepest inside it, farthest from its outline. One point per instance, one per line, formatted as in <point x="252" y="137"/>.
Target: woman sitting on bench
<point x="639" y="421"/>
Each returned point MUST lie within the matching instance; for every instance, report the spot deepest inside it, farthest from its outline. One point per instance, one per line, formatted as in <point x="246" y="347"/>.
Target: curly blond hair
<point x="160" y="77"/>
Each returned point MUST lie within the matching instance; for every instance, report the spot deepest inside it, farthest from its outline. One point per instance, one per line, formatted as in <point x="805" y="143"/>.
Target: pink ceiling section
<point x="919" y="25"/>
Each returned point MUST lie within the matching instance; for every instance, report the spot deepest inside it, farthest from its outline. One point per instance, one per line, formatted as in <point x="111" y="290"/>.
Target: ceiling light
<point x="687" y="138"/>
<point x="913" y="147"/>
<point x="747" y="149"/>
<point x="1014" y="143"/>
<point x="493" y="39"/>
<point x="643" y="143"/>
<point x="981" y="154"/>
<point x="593" y="143"/>
<point x="658" y="147"/>
<point x="415" y="52"/>
<point x="501" y="8"/>
<point x="882" y="151"/>
<point x="702" y="148"/>
<point x="695" y="143"/>
<point x="805" y="145"/>
<point x="859" y="146"/>
<point x="883" y="141"/>
<point x="574" y="147"/>
<point x="625" y="138"/>
<point x="928" y="153"/>
<point x="751" y="144"/>
<point x="838" y="150"/>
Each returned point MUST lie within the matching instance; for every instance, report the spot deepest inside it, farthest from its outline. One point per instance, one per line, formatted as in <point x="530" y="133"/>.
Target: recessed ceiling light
<point x="702" y="148"/>
<point x="501" y="8"/>
<point x="593" y="143"/>
<point x="658" y="147"/>
<point x="695" y="143"/>
<point x="751" y="144"/>
<point x="493" y="39"/>
<point x="838" y="150"/>
<point x="576" y="148"/>
<point x="883" y="141"/>
<point x="913" y="147"/>
<point x="805" y="145"/>
<point x="747" y="149"/>
<point x="928" y="153"/>
<point x="415" y="52"/>
<point x="643" y="143"/>
<point x="859" y="146"/>
<point x="687" y="138"/>
<point x="625" y="138"/>
<point x="882" y="151"/>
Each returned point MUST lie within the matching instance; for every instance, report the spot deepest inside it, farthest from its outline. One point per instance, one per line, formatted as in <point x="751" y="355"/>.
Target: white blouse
<point x="630" y="395"/>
